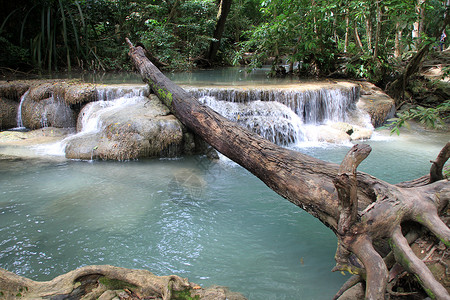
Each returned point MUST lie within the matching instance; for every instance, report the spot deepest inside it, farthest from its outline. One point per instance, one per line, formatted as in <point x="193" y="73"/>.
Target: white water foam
<point x="90" y="117"/>
<point x="19" y="112"/>
<point x="305" y="118"/>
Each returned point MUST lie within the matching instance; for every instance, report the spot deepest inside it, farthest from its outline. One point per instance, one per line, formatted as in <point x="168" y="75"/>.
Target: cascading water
<point x="112" y="92"/>
<point x="290" y="115"/>
<point x="272" y="120"/>
<point x="19" y="111"/>
<point x="111" y="99"/>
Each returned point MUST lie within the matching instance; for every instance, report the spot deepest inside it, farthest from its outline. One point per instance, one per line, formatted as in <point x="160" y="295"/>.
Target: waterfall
<point x="289" y="115"/>
<point x="313" y="104"/>
<point x="112" y="92"/>
<point x="19" y="112"/>
<point x="110" y="99"/>
<point x="272" y="120"/>
<point x="89" y="119"/>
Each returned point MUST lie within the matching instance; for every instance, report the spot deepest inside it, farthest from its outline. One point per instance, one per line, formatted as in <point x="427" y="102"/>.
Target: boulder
<point x="355" y="132"/>
<point x="14" y="90"/>
<point x="50" y="112"/>
<point x="328" y="134"/>
<point x="376" y="103"/>
<point x="71" y="92"/>
<point x="137" y="128"/>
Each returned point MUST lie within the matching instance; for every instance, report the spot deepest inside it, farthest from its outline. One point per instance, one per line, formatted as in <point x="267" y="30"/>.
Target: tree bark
<point x="357" y="38"/>
<point x="398" y="37"/>
<point x="224" y="9"/>
<point x="377" y="30"/>
<point x="418" y="25"/>
<point x="368" y="212"/>
<point x="369" y="28"/>
<point x="347" y="30"/>
<point x="107" y="282"/>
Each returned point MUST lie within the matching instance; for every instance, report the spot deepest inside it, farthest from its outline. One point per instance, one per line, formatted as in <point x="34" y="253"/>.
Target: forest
<point x="369" y="40"/>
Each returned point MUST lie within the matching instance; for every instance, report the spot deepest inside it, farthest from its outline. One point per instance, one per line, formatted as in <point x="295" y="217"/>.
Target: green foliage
<point x="182" y="39"/>
<point x="13" y="55"/>
<point x="430" y="117"/>
<point x="89" y="34"/>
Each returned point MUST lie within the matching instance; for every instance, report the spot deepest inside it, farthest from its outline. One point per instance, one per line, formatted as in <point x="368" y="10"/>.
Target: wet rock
<point x="329" y="134"/>
<point x="71" y="92"/>
<point x="376" y="103"/>
<point x="79" y="93"/>
<point x="353" y="131"/>
<point x="8" y="113"/>
<point x="140" y="128"/>
<point x="217" y="293"/>
<point x="13" y="90"/>
<point x="50" y="112"/>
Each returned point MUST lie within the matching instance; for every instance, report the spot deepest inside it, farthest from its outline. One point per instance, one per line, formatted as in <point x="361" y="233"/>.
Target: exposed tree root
<point x="383" y="220"/>
<point x="347" y="285"/>
<point x="92" y="282"/>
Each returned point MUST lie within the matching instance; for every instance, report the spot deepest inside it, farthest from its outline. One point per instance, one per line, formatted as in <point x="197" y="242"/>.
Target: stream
<point x="210" y="221"/>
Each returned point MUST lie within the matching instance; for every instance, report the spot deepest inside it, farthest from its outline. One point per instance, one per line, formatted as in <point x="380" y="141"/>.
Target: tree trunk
<point x="357" y="38"/>
<point x="362" y="211"/>
<point x="398" y="37"/>
<point x="369" y="29"/>
<point x="224" y="9"/>
<point x="418" y="25"/>
<point x="347" y="30"/>
<point x="377" y="31"/>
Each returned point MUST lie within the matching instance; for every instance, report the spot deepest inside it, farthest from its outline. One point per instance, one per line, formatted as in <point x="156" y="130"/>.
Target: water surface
<point x="212" y="222"/>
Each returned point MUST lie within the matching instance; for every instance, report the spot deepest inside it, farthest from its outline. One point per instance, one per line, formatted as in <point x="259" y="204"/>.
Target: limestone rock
<point x="50" y="112"/>
<point x="355" y="132"/>
<point x="330" y="134"/>
<point x="8" y="113"/>
<point x="13" y="90"/>
<point x="376" y="103"/>
<point x="139" y="128"/>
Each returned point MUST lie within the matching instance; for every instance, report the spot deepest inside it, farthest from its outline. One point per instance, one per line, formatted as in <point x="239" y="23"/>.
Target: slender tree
<point x="224" y="10"/>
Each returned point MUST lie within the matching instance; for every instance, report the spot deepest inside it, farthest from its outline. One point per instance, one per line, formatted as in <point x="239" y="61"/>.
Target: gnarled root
<point x="382" y="221"/>
<point x="406" y="257"/>
<point x="91" y="282"/>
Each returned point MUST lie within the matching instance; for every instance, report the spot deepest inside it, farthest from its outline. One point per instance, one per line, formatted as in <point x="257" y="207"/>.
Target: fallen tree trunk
<point x="364" y="212"/>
